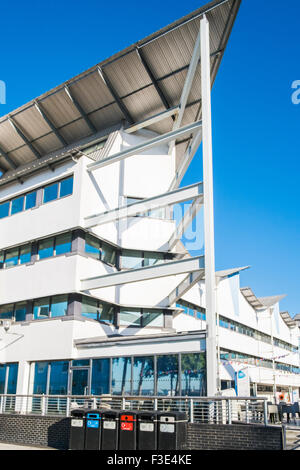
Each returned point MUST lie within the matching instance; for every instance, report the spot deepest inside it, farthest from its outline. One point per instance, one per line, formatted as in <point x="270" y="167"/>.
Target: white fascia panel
<point x="143" y="274"/>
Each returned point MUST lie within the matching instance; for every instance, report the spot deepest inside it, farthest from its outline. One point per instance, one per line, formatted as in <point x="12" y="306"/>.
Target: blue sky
<point x="255" y="124"/>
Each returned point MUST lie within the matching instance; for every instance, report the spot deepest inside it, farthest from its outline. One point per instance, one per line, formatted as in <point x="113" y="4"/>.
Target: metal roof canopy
<point x="142" y="81"/>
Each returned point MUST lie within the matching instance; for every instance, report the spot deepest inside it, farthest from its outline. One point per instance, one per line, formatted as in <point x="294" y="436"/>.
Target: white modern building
<point x="98" y="294"/>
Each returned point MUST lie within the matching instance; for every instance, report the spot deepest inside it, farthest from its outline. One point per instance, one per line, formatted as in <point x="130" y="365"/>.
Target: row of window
<point x="27" y="201"/>
<point x="164" y="375"/>
<point x="62" y="244"/>
<point x="57" y="306"/>
<point x="8" y="378"/>
<point x="229" y="356"/>
<point x="192" y="310"/>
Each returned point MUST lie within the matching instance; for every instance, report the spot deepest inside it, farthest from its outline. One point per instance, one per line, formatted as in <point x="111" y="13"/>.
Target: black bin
<point x="77" y="430"/>
<point x="172" y="430"/>
<point x="109" y="430"/>
<point x="147" y="430"/>
<point x="92" y="430"/>
<point x="127" y="430"/>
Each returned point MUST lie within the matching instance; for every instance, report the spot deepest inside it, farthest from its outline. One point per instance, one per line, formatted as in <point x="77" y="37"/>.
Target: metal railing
<point x="216" y="410"/>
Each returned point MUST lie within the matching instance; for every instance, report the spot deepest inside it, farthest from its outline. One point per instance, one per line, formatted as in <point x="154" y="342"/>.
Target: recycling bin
<point x="127" y="430"/>
<point x="172" y="430"/>
<point x="147" y="430"/>
<point x="109" y="429"/>
<point x="77" y="429"/>
<point x="92" y="430"/>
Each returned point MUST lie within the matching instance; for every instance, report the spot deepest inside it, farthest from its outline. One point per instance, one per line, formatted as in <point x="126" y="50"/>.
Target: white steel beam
<point x="184" y="287"/>
<point x="187" y="87"/>
<point x="185" y="221"/>
<point x="210" y="281"/>
<point x="140" y="207"/>
<point x="149" y="144"/>
<point x="186" y="160"/>
<point x="143" y="274"/>
<point x="152" y="120"/>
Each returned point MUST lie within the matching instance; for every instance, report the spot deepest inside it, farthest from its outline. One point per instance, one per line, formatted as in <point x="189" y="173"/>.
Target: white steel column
<point x="210" y="282"/>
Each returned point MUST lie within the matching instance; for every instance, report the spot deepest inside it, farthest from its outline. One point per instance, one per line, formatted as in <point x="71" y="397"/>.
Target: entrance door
<point x="80" y="382"/>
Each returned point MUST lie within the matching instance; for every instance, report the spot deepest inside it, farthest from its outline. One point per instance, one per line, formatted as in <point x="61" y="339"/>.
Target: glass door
<point x="80" y="382"/>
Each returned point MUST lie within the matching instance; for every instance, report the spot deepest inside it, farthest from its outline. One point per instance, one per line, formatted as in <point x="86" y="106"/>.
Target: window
<point x="4" y="209"/>
<point x="66" y="187"/>
<point x="167" y="375"/>
<point x="17" y="205"/>
<point x="108" y="254"/>
<point x="41" y="308"/>
<point x="153" y="318"/>
<point x="50" y="193"/>
<point x="100" y="376"/>
<point x="11" y="257"/>
<point x="151" y="259"/>
<point x="8" y="379"/>
<point x="107" y="313"/>
<point x="59" y="306"/>
<point x="25" y="254"/>
<point x="40" y="378"/>
<point x="6" y="312"/>
<point x="89" y="308"/>
<point x="92" y="246"/>
<point x="20" y="311"/>
<point x="121" y="376"/>
<point x="30" y="200"/>
<point x="58" y="382"/>
<point x="130" y="317"/>
<point x="63" y="244"/>
<point x="131" y="259"/>
<point x="46" y="248"/>
<point x="193" y="374"/>
<point x="143" y="376"/>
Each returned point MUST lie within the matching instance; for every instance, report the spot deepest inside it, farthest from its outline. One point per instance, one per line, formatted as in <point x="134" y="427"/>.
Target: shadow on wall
<point x="59" y="434"/>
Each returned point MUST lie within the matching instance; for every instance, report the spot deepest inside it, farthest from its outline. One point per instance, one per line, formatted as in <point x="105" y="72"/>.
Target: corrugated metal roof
<point x="289" y="321"/>
<point x="119" y="88"/>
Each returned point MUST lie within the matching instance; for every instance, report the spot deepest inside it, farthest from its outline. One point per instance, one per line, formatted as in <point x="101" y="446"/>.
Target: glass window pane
<point x="59" y="306"/>
<point x="193" y="374"/>
<point x="80" y="362"/>
<point x="66" y="187"/>
<point x="153" y="258"/>
<point x="51" y="193"/>
<point x="46" y="248"/>
<point x="25" y="254"/>
<point x="63" y="244"/>
<point x="2" y="378"/>
<point x="131" y="259"/>
<point x="107" y="313"/>
<point x="30" y="201"/>
<point x="1" y="258"/>
<point x="100" y="376"/>
<point x="121" y="375"/>
<point x="130" y="317"/>
<point x="108" y="254"/>
<point x="167" y="375"/>
<point x="12" y="378"/>
<point x="12" y="257"/>
<point x="6" y="311"/>
<point x="143" y="376"/>
<point x="59" y="378"/>
<point x="41" y="308"/>
<point x="40" y="378"/>
<point x="89" y="308"/>
<point x="20" y="312"/>
<point x="17" y="205"/>
<point x="153" y="318"/>
<point x="4" y="209"/>
<point x="92" y="246"/>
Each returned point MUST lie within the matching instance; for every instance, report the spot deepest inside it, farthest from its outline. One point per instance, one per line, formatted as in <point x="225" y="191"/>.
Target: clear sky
<point x="256" y="126"/>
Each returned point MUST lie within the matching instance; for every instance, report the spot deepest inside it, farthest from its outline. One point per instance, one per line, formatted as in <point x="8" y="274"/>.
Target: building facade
<point x="98" y="295"/>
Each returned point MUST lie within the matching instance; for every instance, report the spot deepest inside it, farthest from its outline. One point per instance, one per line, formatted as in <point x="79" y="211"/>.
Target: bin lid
<point x="79" y="412"/>
<point x="176" y="415"/>
<point x="110" y="414"/>
<point x="126" y="415"/>
<point x="147" y="415"/>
